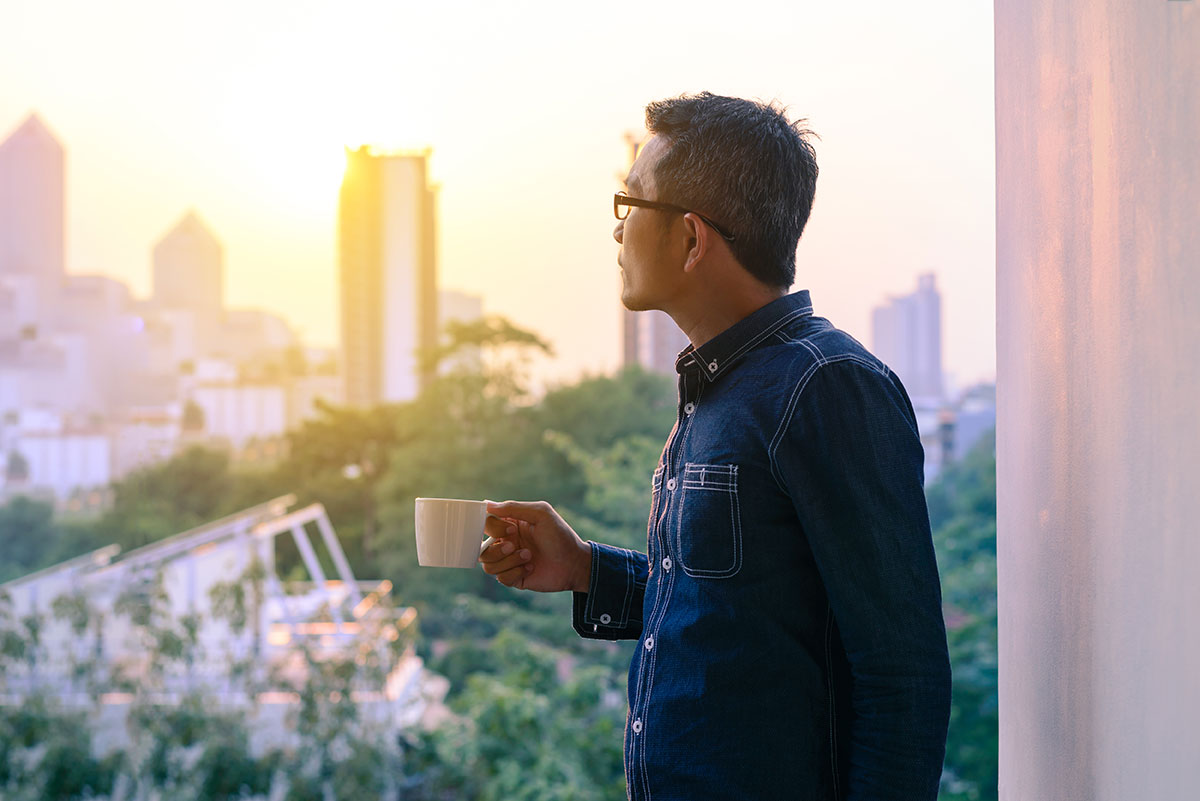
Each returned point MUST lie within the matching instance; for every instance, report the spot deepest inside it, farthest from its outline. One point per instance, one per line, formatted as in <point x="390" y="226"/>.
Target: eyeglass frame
<point x="622" y="199"/>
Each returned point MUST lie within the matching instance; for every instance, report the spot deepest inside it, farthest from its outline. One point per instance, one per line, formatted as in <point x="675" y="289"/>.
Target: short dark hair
<point x="743" y="164"/>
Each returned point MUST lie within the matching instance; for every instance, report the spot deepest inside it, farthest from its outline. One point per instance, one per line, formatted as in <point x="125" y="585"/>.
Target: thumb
<point x="526" y="511"/>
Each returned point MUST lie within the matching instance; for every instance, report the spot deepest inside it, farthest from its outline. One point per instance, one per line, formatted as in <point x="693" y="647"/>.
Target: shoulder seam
<point x="789" y="410"/>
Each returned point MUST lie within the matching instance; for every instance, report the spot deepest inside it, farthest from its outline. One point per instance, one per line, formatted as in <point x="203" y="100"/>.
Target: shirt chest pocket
<point x="655" y="503"/>
<point x="708" y="537"/>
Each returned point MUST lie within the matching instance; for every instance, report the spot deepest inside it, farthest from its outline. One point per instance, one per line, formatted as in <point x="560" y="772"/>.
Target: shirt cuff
<point x="611" y="609"/>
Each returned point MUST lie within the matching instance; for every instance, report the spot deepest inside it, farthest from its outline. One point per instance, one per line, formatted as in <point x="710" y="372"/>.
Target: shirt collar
<point x="720" y="353"/>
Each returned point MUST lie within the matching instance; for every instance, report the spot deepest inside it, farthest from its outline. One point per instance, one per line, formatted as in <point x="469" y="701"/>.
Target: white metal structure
<point x="181" y="579"/>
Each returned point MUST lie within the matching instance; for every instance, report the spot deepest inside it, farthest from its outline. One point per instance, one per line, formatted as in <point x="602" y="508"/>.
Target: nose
<point x="619" y="232"/>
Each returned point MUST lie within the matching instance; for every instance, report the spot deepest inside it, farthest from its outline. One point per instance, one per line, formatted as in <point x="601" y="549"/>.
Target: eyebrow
<point x="631" y="182"/>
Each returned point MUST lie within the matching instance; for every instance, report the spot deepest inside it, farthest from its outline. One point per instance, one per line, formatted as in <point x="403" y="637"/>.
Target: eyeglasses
<point x="622" y="202"/>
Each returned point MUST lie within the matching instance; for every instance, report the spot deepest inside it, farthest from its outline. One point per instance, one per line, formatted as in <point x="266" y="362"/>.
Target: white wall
<point x="144" y="440"/>
<point x="1098" y="454"/>
<point x="239" y="413"/>
<point x="66" y="461"/>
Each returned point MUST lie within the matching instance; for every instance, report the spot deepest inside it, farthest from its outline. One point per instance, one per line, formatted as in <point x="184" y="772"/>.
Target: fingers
<point x="502" y="556"/>
<point x="529" y="511"/>
<point x="515" y="576"/>
<point x="499" y="528"/>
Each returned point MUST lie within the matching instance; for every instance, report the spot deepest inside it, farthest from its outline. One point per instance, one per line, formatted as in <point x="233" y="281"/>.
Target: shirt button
<point x="712" y="367"/>
<point x="606" y="619"/>
<point x="666" y="563"/>
<point x="689" y="407"/>
<point x="637" y="726"/>
<point x="649" y="642"/>
<point x="671" y="483"/>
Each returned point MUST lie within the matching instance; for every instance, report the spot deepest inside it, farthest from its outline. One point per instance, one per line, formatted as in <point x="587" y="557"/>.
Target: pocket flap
<point x="718" y="477"/>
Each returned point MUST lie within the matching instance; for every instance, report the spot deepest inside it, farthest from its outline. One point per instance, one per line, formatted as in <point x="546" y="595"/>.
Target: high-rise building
<point x="388" y="270"/>
<point x="649" y="338"/>
<point x="32" y="186"/>
<point x="459" y="307"/>
<point x="251" y="333"/>
<point x="653" y="340"/>
<point x="906" y="333"/>
<point x="189" y="275"/>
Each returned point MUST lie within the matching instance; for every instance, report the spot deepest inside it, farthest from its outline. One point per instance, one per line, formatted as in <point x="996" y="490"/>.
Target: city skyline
<point x="897" y="198"/>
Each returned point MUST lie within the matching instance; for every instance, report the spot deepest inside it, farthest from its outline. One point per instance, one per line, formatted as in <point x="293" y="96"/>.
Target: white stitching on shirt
<point x="731" y="473"/>
<point x="778" y="324"/>
<point x="589" y="612"/>
<point x="810" y="343"/>
<point x="662" y="598"/>
<point x="817" y="348"/>
<point x="785" y="420"/>
<point x="813" y="349"/>
<point x="790" y="410"/>
<point x="630" y="581"/>
<point x="650" y="680"/>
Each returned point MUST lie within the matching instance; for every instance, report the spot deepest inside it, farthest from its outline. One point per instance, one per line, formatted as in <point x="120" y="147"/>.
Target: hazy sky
<point x="240" y="110"/>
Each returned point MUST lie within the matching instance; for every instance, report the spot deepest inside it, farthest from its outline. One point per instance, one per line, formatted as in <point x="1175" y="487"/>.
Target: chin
<point x="632" y="302"/>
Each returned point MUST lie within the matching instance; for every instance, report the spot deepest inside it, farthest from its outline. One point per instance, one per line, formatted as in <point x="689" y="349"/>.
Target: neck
<point x="702" y="318"/>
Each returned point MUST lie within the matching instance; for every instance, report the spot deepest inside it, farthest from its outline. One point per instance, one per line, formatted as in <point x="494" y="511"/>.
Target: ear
<point x="699" y="235"/>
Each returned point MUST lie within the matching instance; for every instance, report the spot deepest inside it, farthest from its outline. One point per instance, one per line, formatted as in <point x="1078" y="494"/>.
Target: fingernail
<point x="507" y="548"/>
<point x="528" y="568"/>
<point x="510" y="530"/>
<point x="525" y="553"/>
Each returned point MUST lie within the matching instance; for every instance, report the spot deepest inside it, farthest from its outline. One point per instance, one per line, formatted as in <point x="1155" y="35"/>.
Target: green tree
<point x="16" y="467"/>
<point x="192" y="488"/>
<point x="46" y="753"/>
<point x="27" y="535"/>
<point x="962" y="506"/>
<point x="523" y="731"/>
<point x="505" y="349"/>
<point x="590" y="448"/>
<point x="193" y="417"/>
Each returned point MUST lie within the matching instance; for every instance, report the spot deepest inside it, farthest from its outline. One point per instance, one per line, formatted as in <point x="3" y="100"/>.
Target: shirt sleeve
<point x="611" y="609"/>
<point x="849" y="454"/>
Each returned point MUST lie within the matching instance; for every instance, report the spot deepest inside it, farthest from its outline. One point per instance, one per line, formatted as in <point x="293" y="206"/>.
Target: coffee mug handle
<point x="483" y="545"/>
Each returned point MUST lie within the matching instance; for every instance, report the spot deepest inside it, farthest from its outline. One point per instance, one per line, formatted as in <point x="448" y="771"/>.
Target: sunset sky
<point x="240" y="110"/>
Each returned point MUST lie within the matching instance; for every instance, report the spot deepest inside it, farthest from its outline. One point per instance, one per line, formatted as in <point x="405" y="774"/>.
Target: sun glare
<point x="303" y="173"/>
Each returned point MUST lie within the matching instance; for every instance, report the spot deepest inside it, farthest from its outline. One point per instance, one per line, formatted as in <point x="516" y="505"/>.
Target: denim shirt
<point x="788" y="613"/>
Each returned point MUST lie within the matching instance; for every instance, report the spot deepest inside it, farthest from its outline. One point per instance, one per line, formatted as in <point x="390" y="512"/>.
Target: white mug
<point x="450" y="531"/>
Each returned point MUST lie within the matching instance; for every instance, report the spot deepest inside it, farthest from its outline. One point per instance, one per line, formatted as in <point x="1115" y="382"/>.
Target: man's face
<point x="646" y="256"/>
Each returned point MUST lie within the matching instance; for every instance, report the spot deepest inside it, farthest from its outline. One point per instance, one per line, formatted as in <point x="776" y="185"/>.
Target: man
<point x="788" y="610"/>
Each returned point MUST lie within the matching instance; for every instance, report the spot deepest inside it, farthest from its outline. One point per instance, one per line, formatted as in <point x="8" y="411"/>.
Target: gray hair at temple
<point x="743" y="164"/>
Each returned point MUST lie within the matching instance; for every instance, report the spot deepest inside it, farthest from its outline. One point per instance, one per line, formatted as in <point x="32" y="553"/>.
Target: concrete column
<point x="1098" y="398"/>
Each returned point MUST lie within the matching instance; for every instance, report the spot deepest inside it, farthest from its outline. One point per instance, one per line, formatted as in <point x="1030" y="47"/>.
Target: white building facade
<point x="906" y="334"/>
<point x="388" y="274"/>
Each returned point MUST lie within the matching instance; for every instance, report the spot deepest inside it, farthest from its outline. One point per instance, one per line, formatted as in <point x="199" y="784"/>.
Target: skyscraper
<point x="906" y="333"/>
<point x="653" y="340"/>
<point x="189" y="275"/>
<point x="388" y="273"/>
<point x="32" y="187"/>
<point x="459" y="307"/>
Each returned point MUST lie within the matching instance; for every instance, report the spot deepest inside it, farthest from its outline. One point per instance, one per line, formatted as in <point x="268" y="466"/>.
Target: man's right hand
<point x="535" y="549"/>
